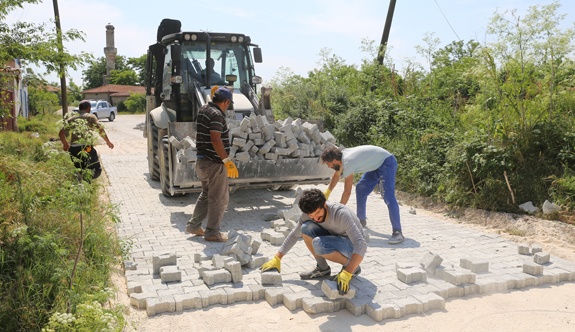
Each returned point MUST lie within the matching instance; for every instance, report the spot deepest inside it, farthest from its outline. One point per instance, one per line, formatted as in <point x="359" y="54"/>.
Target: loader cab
<point x="193" y="62"/>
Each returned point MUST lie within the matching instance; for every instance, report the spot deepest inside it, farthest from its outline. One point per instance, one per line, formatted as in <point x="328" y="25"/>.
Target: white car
<point x="103" y="110"/>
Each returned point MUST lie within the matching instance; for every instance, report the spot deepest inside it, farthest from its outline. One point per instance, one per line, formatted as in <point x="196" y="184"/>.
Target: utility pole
<point x="63" y="89"/>
<point x="385" y="36"/>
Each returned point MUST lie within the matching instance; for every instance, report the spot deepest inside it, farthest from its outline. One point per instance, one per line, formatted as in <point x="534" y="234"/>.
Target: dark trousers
<point x="86" y="157"/>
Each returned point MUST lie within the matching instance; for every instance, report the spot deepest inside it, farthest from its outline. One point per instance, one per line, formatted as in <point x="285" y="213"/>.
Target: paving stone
<point x="457" y="276"/>
<point x="320" y="305"/>
<point x="160" y="305"/>
<point x="216" y="276"/>
<point x="163" y="260"/>
<point x="258" y="292"/>
<point x="212" y="297"/>
<point x="238" y="294"/>
<point x="431" y="301"/>
<point x="292" y="301"/>
<point x="188" y="301"/>
<point x="532" y="268"/>
<point x="411" y="275"/>
<point x="381" y="311"/>
<point x="408" y="305"/>
<point x="271" y="278"/>
<point x="430" y="261"/>
<point x="356" y="306"/>
<point x="275" y="295"/>
<point x="329" y="288"/>
<point x="218" y="261"/>
<point x="523" y="249"/>
<point x="476" y="266"/>
<point x="170" y="274"/>
<point x="541" y="258"/>
<point x="138" y="300"/>
<point x="257" y="261"/>
<point x="235" y="269"/>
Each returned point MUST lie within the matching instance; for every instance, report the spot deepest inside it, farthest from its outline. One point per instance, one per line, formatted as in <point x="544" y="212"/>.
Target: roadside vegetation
<point x="57" y="240"/>
<point x="487" y="126"/>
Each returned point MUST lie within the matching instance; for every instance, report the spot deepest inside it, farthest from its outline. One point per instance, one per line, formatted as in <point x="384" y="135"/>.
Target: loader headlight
<point x="234" y="39"/>
<point x="241" y="39"/>
<point x="190" y="36"/>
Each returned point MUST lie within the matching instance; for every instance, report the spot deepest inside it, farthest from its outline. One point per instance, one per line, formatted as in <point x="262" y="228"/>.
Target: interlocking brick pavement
<point x="154" y="226"/>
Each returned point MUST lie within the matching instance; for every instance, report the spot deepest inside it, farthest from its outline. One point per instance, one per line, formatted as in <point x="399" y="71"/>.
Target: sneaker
<point x="315" y="273"/>
<point x="355" y="273"/>
<point x="396" y="238"/>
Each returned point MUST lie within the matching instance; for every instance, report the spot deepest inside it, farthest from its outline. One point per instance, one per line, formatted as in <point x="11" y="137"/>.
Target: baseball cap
<point x="224" y="93"/>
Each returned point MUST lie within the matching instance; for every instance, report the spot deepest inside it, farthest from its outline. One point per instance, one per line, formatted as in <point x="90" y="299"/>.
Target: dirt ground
<point x="544" y="308"/>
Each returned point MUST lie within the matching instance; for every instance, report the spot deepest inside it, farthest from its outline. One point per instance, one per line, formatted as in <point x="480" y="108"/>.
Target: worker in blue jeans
<point x="379" y="167"/>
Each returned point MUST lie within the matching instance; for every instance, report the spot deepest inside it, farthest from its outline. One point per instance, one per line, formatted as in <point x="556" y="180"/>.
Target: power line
<point x="446" y="20"/>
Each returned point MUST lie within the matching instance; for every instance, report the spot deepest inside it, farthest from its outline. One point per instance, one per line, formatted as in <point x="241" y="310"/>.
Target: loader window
<point x="230" y="59"/>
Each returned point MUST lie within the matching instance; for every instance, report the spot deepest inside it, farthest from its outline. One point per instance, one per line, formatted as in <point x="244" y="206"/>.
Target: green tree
<point x="74" y="92"/>
<point x="127" y="71"/>
<point x="41" y="100"/>
<point x="139" y="66"/>
<point x="35" y="43"/>
<point x="123" y="77"/>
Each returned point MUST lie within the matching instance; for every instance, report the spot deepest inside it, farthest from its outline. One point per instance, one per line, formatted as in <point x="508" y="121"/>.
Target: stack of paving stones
<point x="254" y="138"/>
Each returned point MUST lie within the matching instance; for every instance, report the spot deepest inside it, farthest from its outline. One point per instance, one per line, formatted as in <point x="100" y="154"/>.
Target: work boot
<point x="199" y="231"/>
<point x="216" y="238"/>
<point x="363" y="222"/>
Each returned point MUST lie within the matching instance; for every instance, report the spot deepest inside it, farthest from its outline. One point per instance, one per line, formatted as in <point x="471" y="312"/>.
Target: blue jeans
<point x="384" y="176"/>
<point x="324" y="243"/>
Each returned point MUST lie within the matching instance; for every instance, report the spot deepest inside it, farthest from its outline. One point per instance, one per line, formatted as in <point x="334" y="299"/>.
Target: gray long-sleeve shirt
<point x="340" y="221"/>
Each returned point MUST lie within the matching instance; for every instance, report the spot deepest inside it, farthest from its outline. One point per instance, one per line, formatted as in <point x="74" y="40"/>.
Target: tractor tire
<point x="154" y="164"/>
<point x="165" y="167"/>
<point x="283" y="188"/>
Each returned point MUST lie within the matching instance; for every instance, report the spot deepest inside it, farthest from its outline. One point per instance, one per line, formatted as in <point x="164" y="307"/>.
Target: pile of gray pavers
<point x="254" y="138"/>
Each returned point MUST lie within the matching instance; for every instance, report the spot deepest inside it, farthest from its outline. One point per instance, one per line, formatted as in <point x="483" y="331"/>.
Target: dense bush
<point x="489" y="126"/>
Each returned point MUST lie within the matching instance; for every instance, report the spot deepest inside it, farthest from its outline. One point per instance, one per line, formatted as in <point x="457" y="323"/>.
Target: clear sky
<point x="290" y="33"/>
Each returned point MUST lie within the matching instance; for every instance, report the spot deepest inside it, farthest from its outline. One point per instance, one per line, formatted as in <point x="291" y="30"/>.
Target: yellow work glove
<point x="326" y="193"/>
<point x="343" y="279"/>
<point x="231" y="167"/>
<point x="274" y="263"/>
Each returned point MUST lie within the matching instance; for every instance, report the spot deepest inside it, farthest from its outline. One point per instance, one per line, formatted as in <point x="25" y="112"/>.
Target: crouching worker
<point x="331" y="232"/>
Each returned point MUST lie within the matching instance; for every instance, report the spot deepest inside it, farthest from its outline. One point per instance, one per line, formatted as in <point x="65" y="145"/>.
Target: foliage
<point x="484" y="125"/>
<point x="40" y="100"/>
<point x="43" y="208"/>
<point x="136" y="103"/>
<point x="37" y="43"/>
<point x="127" y="71"/>
<point x="84" y="134"/>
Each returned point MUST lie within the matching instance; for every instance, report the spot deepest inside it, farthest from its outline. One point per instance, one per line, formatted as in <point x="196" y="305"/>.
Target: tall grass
<point x="56" y="253"/>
